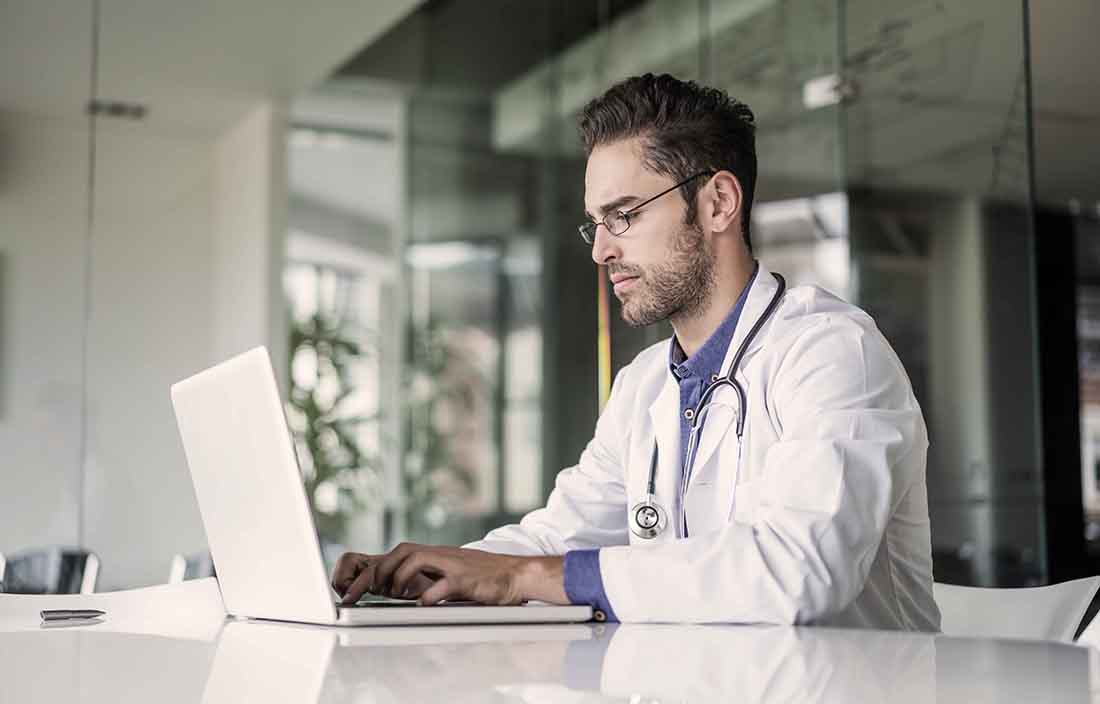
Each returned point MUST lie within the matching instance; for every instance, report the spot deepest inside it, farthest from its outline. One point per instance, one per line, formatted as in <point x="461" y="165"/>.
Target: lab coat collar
<point x="719" y="420"/>
<point x="760" y="295"/>
<point x="664" y="411"/>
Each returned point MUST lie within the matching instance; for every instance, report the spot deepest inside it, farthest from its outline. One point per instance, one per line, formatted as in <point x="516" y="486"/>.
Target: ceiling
<point x="939" y="81"/>
<point x="197" y="65"/>
<point x="939" y="96"/>
<point x="457" y="46"/>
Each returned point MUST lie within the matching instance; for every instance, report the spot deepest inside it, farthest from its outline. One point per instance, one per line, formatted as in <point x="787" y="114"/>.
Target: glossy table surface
<point x="176" y="646"/>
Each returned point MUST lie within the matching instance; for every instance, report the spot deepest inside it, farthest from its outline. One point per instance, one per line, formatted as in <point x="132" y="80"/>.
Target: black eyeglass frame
<point x="588" y="229"/>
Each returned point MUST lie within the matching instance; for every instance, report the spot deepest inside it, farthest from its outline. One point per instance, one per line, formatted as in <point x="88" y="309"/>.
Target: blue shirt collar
<point x="708" y="359"/>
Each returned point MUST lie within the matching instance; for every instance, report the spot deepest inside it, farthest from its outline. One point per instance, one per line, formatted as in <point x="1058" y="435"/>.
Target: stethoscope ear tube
<point x="742" y="401"/>
<point x="647" y="517"/>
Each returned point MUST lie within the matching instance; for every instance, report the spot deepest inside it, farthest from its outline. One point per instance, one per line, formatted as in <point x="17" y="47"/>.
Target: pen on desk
<point x="71" y="614"/>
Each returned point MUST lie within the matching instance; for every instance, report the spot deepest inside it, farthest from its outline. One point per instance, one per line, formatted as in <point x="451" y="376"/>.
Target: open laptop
<point x="258" y="521"/>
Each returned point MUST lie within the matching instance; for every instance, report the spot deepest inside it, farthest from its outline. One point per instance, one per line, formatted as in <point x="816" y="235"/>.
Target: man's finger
<point x="426" y="560"/>
<point x="347" y="569"/>
<point x="385" y="566"/>
<point x="417" y="585"/>
<point x="357" y="588"/>
<point x="436" y="593"/>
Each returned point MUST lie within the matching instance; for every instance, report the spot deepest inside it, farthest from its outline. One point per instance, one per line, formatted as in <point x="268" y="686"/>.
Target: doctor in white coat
<point x="765" y="464"/>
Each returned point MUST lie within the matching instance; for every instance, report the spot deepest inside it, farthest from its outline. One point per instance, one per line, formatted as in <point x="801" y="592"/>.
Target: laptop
<point x="257" y="519"/>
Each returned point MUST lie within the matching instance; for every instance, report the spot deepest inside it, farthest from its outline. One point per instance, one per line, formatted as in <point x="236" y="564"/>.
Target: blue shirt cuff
<point x="584" y="583"/>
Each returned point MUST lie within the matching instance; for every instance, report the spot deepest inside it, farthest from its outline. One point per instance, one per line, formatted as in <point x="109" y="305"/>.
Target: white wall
<point x="249" y="228"/>
<point x="186" y="260"/>
<point x="152" y="299"/>
<point x="43" y="201"/>
<point x="186" y="253"/>
<point x="186" y="270"/>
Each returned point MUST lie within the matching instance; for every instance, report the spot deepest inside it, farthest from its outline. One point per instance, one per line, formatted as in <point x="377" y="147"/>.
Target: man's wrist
<point x="543" y="579"/>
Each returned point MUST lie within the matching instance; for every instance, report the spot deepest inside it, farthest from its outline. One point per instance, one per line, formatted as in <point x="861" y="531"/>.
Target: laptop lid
<point x="250" y="493"/>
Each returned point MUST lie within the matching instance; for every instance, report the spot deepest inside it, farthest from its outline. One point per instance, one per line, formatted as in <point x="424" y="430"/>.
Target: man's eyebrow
<point x="612" y="205"/>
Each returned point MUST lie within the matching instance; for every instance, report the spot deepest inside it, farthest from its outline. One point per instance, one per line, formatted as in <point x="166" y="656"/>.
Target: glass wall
<point x="936" y="138"/>
<point x="387" y="200"/>
<point x="1086" y="235"/>
<point x="894" y="171"/>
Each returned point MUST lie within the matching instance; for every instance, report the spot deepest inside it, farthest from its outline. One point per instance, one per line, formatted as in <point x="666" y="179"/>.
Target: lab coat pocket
<point x="746" y="501"/>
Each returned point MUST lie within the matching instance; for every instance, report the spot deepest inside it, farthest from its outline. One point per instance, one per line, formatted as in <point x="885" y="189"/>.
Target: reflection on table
<point x="256" y="661"/>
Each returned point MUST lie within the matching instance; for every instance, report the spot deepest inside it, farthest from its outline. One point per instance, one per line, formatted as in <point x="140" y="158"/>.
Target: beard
<point x="679" y="287"/>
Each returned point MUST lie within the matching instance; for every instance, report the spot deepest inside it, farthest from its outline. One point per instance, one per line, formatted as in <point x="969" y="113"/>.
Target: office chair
<point x="1034" y="613"/>
<point x="54" y="570"/>
<point x="194" y="566"/>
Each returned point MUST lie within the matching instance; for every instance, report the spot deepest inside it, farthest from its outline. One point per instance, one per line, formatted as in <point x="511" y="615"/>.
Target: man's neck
<point x="692" y="331"/>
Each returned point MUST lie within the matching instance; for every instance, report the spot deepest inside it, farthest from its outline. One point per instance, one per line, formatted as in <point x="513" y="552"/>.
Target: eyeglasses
<point x="618" y="221"/>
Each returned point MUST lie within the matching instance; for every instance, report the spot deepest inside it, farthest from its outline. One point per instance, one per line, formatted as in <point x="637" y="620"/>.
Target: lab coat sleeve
<point x="847" y="419"/>
<point x="587" y="508"/>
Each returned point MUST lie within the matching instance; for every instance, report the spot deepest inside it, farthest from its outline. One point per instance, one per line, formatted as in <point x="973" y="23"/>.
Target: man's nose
<point x="605" y="248"/>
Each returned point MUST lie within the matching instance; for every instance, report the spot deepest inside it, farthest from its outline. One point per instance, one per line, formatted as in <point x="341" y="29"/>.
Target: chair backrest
<point x="196" y="566"/>
<point x="1091" y="635"/>
<point x="52" y="570"/>
<point x="1035" y="613"/>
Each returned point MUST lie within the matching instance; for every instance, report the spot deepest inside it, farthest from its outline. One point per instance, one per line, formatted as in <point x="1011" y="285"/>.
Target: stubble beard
<point x="678" y="288"/>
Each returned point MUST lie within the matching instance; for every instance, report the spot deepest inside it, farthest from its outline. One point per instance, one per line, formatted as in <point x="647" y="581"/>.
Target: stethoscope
<point x="648" y="518"/>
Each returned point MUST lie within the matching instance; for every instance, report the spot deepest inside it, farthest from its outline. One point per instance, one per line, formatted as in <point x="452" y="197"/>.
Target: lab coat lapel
<point x="664" y="414"/>
<point x="719" y="420"/>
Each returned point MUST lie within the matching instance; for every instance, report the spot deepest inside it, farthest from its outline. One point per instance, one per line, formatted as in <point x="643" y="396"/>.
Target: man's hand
<point x="435" y="573"/>
<point x="352" y="564"/>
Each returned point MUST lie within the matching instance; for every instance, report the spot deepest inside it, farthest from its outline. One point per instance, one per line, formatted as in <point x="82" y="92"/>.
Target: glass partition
<point x="893" y="153"/>
<point x="936" y="151"/>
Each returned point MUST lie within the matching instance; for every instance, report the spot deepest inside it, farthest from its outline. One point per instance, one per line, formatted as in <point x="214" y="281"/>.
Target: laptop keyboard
<point x="374" y="601"/>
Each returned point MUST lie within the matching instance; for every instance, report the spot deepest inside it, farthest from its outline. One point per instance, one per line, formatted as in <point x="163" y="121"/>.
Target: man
<point x="796" y="496"/>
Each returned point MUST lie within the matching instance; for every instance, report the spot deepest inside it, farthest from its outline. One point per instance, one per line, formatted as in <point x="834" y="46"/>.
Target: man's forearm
<point x="543" y="579"/>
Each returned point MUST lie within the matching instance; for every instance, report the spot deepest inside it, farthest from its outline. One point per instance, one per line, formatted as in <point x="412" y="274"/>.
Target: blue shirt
<point x="583" y="582"/>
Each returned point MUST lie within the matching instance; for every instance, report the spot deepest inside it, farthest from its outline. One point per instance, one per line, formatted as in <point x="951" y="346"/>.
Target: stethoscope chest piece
<point x="647" y="518"/>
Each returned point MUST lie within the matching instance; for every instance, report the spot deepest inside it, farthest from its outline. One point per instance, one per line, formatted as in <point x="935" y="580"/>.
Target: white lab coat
<point x="821" y="516"/>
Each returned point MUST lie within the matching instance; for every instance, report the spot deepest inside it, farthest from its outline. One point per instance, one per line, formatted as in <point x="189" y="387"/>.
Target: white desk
<point x="241" y="661"/>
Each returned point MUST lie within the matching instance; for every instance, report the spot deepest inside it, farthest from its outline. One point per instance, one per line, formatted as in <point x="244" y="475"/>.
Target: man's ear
<point x="722" y="199"/>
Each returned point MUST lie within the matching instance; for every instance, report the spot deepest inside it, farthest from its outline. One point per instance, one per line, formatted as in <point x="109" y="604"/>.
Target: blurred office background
<point x="385" y="193"/>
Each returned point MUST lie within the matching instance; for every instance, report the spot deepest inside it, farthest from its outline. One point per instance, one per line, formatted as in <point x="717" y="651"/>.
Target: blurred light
<point x="821" y="92"/>
<point x="447" y="255"/>
<point x="327" y="497"/>
<point x="826" y="215"/>
<point x="303" y="368"/>
<point x="303" y="138"/>
<point x="523" y="258"/>
<point x="312" y="139"/>
<point x="332" y="140"/>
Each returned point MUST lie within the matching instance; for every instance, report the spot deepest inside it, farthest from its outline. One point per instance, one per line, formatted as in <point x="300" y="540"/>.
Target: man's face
<point x="661" y="267"/>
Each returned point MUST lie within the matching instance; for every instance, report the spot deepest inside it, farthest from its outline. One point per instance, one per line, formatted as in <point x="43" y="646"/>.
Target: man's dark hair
<point x="685" y="127"/>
